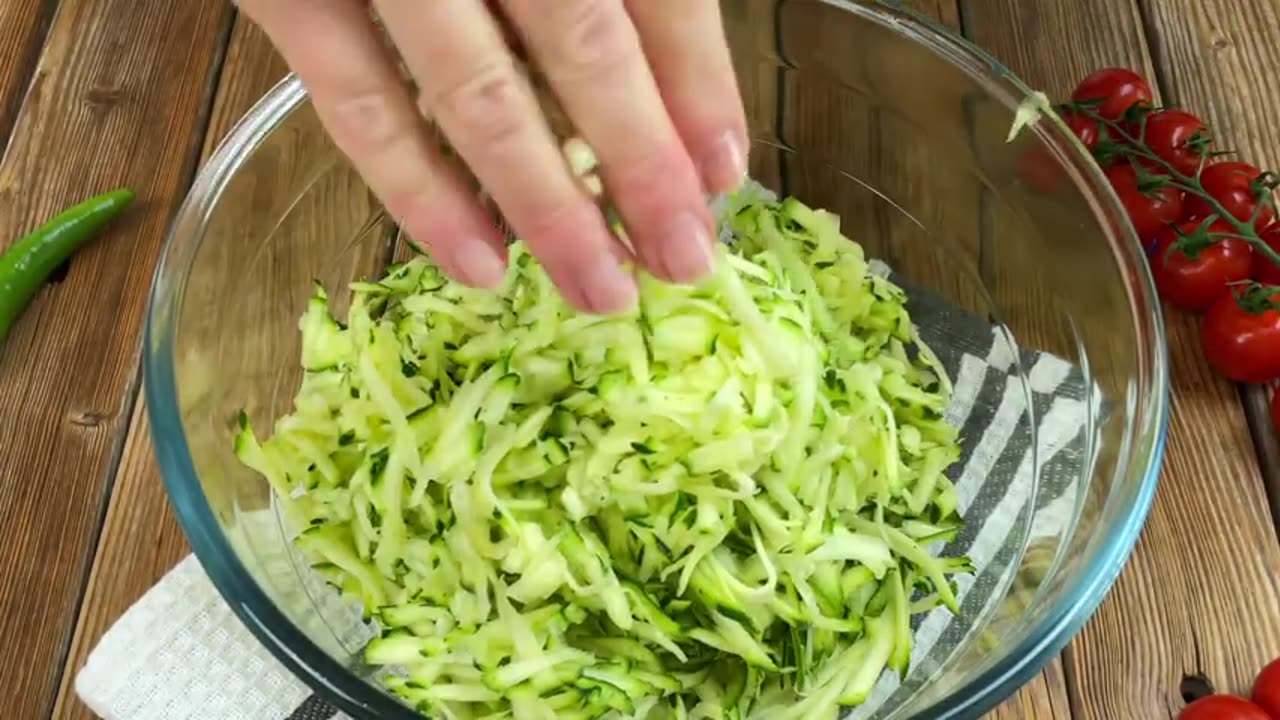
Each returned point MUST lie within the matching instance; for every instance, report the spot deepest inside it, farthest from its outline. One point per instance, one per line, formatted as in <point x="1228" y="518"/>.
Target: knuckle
<point x="410" y="208"/>
<point x="368" y="122"/>
<point x="596" y="38"/>
<point x="487" y="106"/>
<point x="548" y="224"/>
<point x="647" y="176"/>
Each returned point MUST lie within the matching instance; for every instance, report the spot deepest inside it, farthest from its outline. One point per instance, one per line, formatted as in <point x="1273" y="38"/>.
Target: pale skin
<point x="648" y="84"/>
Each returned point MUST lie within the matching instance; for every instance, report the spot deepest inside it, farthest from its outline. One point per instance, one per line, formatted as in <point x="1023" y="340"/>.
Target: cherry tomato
<point x="1266" y="689"/>
<point x="1223" y="707"/>
<point x="1150" y="210"/>
<point x="1232" y="185"/>
<point x="1040" y="170"/>
<point x="1244" y="344"/>
<point x="1177" y="137"/>
<point x="1118" y="90"/>
<point x="1265" y="270"/>
<point x="1193" y="284"/>
<point x="1084" y="128"/>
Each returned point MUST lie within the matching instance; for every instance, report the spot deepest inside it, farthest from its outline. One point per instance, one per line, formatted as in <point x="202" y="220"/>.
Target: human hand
<point x="648" y="84"/>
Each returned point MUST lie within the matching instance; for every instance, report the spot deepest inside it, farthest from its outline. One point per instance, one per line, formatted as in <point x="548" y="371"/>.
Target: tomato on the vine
<point x="1266" y="689"/>
<point x="1116" y="90"/>
<point x="1150" y="203"/>
<point x="1265" y="270"/>
<point x="1223" y="707"/>
<point x="1179" y="138"/>
<point x="1192" y="273"/>
<point x="1238" y="187"/>
<point x="1240" y="335"/>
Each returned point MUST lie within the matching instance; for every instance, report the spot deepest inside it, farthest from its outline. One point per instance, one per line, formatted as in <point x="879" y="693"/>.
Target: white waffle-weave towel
<point x="181" y="654"/>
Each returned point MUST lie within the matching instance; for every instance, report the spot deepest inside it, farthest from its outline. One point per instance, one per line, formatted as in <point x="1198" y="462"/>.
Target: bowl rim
<point x="335" y="682"/>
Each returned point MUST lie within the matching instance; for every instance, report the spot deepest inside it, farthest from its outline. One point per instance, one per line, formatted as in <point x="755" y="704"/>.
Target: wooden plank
<point x="141" y="539"/>
<point x="854" y="119"/>
<point x="1044" y="698"/>
<point x="119" y="98"/>
<point x="1266" y="439"/>
<point x="295" y="212"/>
<point x="1189" y="597"/>
<point x="1215" y="60"/>
<point x="860" y="157"/>
<point x="23" y="25"/>
<point x="751" y="27"/>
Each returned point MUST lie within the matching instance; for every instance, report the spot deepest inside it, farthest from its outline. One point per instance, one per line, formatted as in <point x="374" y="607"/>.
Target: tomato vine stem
<point x="1122" y="143"/>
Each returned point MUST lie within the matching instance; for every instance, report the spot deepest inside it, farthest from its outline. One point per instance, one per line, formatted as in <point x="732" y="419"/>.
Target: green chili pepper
<point x="25" y="266"/>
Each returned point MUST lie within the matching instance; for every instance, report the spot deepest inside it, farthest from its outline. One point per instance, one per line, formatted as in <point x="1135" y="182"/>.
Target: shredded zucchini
<point x="717" y="506"/>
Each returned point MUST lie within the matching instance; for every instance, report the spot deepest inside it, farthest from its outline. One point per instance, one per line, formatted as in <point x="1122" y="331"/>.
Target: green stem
<point x="1255" y="298"/>
<point x="1135" y="146"/>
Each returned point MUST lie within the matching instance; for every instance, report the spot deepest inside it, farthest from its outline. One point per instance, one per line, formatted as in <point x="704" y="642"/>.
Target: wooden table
<point x="100" y="93"/>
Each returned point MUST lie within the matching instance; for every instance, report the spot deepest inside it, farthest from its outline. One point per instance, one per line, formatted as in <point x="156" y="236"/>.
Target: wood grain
<point x="1257" y="401"/>
<point x="751" y="27"/>
<point x="1201" y="591"/>
<point x="1218" y="59"/>
<point x="117" y="99"/>
<point x="141" y="539"/>
<point x="295" y="212"/>
<point x="1046" y="695"/>
<point x="883" y="150"/>
<point x="862" y="106"/>
<point x="23" y="25"/>
<point x="1044" y="698"/>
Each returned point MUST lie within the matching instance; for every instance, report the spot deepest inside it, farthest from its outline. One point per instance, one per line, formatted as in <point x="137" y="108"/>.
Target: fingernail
<point x="607" y="287"/>
<point x="725" y="166"/>
<point x="478" y="264"/>
<point x="686" y="252"/>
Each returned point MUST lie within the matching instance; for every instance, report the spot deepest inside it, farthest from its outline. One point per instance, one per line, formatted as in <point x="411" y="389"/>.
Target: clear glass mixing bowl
<point x="894" y="123"/>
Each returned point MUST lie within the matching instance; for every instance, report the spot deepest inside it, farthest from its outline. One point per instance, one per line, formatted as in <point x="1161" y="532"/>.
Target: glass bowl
<point x="1022" y="271"/>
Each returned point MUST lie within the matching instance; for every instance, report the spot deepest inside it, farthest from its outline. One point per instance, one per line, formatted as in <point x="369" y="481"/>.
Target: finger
<point x="473" y="89"/>
<point x="510" y="34"/>
<point x="691" y="61"/>
<point x="338" y="54"/>
<point x="591" y="55"/>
